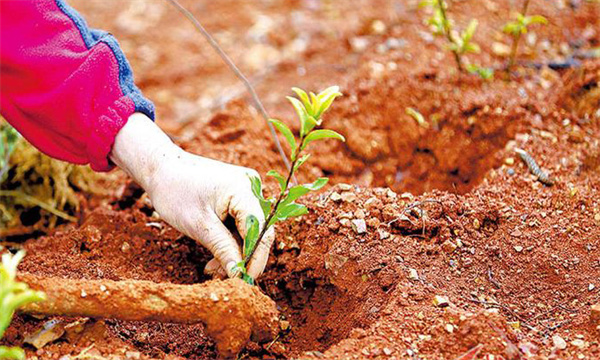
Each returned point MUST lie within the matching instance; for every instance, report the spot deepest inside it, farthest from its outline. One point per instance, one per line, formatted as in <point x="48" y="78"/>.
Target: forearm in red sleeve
<point x="66" y="88"/>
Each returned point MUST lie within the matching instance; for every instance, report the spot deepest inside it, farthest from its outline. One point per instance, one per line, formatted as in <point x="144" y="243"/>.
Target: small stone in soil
<point x="441" y="301"/>
<point x="348" y="197"/>
<point x="359" y="226"/>
<point x="518" y="248"/>
<point x="413" y="274"/>
<point x="335" y="196"/>
<point x="559" y="342"/>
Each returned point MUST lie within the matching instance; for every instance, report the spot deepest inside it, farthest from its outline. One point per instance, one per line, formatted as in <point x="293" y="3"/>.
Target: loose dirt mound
<point x="511" y="263"/>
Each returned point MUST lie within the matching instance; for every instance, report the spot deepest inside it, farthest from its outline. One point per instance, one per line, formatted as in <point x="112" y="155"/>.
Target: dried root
<point x="232" y="311"/>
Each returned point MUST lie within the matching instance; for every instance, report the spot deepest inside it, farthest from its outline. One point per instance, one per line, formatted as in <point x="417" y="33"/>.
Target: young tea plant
<point x="459" y="43"/>
<point x="13" y="294"/>
<point x="519" y="27"/>
<point x="309" y="108"/>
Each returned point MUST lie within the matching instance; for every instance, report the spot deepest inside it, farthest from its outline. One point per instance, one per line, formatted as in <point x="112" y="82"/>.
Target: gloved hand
<point x="192" y="193"/>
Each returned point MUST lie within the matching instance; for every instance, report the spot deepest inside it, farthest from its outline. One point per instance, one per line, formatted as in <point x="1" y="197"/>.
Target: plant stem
<point x="295" y="158"/>
<point x="449" y="35"/>
<point x="213" y="43"/>
<point x="516" y="40"/>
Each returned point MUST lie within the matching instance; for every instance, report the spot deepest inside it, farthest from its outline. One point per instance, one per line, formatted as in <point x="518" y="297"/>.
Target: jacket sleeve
<point x="66" y="88"/>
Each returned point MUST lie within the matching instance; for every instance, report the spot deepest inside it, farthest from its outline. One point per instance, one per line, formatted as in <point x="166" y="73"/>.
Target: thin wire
<point x="237" y="72"/>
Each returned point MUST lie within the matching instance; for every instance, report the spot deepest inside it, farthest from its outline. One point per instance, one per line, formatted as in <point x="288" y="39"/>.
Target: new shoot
<point x="13" y="295"/>
<point x="519" y="27"/>
<point x="310" y="109"/>
<point x="459" y="43"/>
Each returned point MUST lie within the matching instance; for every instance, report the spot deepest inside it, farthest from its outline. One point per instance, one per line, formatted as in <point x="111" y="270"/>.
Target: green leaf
<point x="303" y="96"/>
<point x="299" y="190"/>
<point x="302" y="113"/>
<point x="12" y="353"/>
<point x="252" y="231"/>
<point x="512" y="28"/>
<point x="280" y="179"/>
<point x="287" y="211"/>
<point x="426" y="3"/>
<point x="417" y="116"/>
<point x="535" y="19"/>
<point x="470" y="31"/>
<point x="471" y="48"/>
<point x="322" y="134"/>
<point x="256" y="186"/>
<point x="326" y="102"/>
<point x="484" y="73"/>
<point x="309" y="124"/>
<point x="325" y="94"/>
<point x="286" y="132"/>
<point x="315" y="104"/>
<point x="301" y="161"/>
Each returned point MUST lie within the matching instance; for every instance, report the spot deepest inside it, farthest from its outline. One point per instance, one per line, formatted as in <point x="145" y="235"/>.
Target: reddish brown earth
<point x="519" y="262"/>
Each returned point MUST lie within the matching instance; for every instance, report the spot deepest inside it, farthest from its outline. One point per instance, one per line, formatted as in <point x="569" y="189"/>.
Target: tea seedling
<point x="459" y="43"/>
<point x="13" y="294"/>
<point x="519" y="27"/>
<point x="309" y="108"/>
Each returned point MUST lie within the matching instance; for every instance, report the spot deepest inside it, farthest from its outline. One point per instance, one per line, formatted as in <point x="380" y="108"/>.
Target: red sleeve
<point x="66" y="88"/>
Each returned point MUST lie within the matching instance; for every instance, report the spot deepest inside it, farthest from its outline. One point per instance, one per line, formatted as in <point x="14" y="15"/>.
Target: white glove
<point x="192" y="193"/>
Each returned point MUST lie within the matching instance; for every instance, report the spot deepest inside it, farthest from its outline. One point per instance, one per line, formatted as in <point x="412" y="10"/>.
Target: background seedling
<point x="13" y="295"/>
<point x="309" y="108"/>
<point x="519" y="27"/>
<point x="459" y="44"/>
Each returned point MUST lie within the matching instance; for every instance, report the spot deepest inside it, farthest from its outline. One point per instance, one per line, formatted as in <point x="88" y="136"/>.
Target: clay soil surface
<point x="452" y="213"/>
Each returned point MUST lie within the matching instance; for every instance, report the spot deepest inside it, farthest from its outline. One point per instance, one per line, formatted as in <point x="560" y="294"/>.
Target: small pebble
<point x="413" y="274"/>
<point x="441" y="301"/>
<point x="559" y="342"/>
<point x="359" y="226"/>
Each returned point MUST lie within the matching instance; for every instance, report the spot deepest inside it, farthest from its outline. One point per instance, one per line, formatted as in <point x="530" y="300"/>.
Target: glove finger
<point x="214" y="269"/>
<point x="219" y="241"/>
<point x="257" y="264"/>
<point x="241" y="207"/>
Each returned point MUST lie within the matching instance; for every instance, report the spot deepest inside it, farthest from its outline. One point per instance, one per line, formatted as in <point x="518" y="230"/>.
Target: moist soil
<point x="465" y="254"/>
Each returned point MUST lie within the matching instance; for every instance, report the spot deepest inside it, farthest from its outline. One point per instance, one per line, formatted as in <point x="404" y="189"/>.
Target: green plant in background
<point x="13" y="295"/>
<point x="482" y="72"/>
<point x="9" y="137"/>
<point x="309" y="108"/>
<point x="459" y="43"/>
<point x="519" y="27"/>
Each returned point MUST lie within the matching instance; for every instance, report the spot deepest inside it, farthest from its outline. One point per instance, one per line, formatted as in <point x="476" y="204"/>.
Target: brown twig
<point x="213" y="43"/>
<point x="232" y="311"/>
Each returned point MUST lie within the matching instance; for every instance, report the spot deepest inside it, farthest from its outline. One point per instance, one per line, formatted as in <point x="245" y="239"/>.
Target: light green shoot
<point x="13" y="294"/>
<point x="419" y="118"/>
<point x="459" y="43"/>
<point x="483" y="72"/>
<point x="519" y="27"/>
<point x="310" y="109"/>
